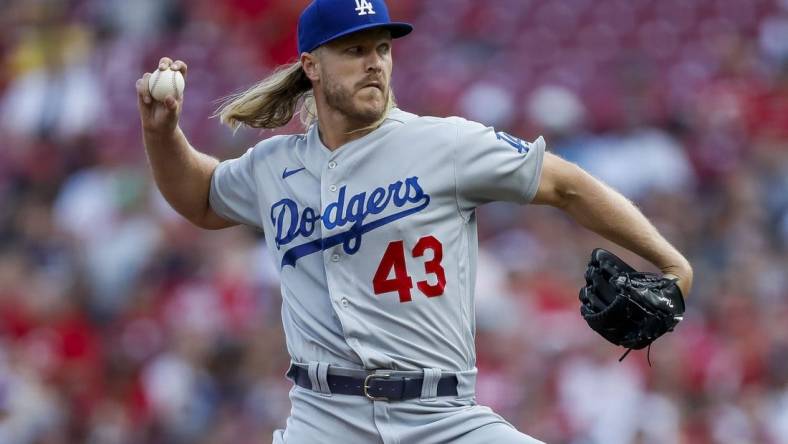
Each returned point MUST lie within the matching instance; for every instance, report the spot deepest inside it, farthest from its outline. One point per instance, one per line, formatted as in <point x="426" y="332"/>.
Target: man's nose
<point x="374" y="62"/>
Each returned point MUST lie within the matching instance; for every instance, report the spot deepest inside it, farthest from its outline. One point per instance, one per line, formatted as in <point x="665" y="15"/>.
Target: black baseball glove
<point x="628" y="308"/>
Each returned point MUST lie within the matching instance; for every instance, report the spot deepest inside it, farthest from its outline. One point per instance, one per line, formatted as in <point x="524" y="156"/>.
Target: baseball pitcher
<point x="371" y="217"/>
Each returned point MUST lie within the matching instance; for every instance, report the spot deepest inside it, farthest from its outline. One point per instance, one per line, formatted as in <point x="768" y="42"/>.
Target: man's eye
<point x="354" y="50"/>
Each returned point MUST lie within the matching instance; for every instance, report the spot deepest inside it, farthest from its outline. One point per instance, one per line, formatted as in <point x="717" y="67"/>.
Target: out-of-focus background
<point x="120" y="323"/>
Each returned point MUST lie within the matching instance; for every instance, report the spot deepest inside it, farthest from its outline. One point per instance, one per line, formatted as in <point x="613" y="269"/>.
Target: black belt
<point x="375" y="386"/>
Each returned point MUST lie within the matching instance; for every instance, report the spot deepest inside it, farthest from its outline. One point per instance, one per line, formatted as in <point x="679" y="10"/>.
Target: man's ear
<point x="310" y="64"/>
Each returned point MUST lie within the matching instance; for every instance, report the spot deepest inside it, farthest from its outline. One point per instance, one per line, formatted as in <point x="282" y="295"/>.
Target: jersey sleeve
<point x="233" y="192"/>
<point x="492" y="166"/>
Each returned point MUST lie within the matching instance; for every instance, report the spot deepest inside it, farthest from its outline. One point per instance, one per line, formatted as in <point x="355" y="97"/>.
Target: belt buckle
<point x="366" y="386"/>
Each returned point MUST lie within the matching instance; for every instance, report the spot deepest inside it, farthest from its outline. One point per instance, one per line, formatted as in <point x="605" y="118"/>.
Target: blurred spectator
<point x="60" y="95"/>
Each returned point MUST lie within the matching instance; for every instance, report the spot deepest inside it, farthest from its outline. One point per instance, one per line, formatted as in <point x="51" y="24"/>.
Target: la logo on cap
<point x="363" y="7"/>
<point x="326" y="20"/>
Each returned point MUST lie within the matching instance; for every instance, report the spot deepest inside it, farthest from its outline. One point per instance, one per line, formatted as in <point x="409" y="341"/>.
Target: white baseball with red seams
<point x="166" y="83"/>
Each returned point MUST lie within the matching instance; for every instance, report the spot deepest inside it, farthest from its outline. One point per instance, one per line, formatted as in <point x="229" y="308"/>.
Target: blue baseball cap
<point x="326" y="20"/>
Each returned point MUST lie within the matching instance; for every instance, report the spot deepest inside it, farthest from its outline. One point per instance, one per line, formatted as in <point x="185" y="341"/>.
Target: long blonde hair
<point x="272" y="102"/>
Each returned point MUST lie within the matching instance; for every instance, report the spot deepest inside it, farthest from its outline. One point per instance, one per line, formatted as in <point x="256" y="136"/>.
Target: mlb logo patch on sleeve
<point x="519" y="144"/>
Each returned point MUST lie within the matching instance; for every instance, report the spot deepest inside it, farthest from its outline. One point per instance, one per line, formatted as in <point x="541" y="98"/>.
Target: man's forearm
<point x="182" y="173"/>
<point x="609" y="214"/>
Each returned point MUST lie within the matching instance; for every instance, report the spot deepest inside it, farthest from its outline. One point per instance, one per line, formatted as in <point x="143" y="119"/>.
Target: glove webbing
<point x="629" y="280"/>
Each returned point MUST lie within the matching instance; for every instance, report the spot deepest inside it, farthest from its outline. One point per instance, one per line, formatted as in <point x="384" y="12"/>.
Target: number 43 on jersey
<point x="393" y="263"/>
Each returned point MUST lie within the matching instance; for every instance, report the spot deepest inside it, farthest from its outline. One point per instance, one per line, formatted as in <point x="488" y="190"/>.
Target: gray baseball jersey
<point x="376" y="241"/>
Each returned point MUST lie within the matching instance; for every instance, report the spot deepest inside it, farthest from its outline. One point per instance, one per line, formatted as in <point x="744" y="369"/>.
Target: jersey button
<point x="332" y="188"/>
<point x="335" y="257"/>
<point x="332" y="165"/>
<point x="345" y="302"/>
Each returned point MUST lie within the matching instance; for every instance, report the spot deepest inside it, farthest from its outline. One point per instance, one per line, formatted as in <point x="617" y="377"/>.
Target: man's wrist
<point x="163" y="138"/>
<point x="683" y="278"/>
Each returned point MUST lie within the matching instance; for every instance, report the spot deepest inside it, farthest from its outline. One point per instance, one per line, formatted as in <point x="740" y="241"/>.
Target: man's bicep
<point x="559" y="181"/>
<point x="212" y="221"/>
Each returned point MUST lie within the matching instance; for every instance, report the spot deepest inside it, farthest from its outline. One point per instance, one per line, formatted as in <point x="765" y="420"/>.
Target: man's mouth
<point x="377" y="85"/>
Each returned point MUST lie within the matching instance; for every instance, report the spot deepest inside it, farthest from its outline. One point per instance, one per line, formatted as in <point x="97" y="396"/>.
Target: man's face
<point x="355" y="72"/>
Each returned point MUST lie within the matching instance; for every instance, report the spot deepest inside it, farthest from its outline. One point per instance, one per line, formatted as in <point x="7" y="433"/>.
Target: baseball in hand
<point x="166" y="83"/>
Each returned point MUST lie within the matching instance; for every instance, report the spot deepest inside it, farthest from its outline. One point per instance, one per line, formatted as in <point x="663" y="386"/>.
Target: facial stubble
<point x="340" y="98"/>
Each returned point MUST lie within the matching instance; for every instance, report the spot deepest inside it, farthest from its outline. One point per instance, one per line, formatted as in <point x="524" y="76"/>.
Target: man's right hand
<point x="159" y="117"/>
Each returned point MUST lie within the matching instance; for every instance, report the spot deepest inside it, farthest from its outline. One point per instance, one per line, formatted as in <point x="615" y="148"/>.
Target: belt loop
<point x="322" y="378"/>
<point x="429" y="386"/>
<point x="312" y="372"/>
<point x="318" y="376"/>
<point x="466" y="384"/>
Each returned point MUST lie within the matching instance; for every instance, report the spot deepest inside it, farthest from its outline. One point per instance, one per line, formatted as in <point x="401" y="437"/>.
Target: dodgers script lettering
<point x="293" y="223"/>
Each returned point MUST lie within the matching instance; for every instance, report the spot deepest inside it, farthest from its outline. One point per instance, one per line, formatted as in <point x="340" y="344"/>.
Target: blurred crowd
<point x="120" y="323"/>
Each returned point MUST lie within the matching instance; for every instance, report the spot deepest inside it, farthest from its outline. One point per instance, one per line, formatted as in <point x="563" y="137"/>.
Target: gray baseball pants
<point x="348" y="419"/>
